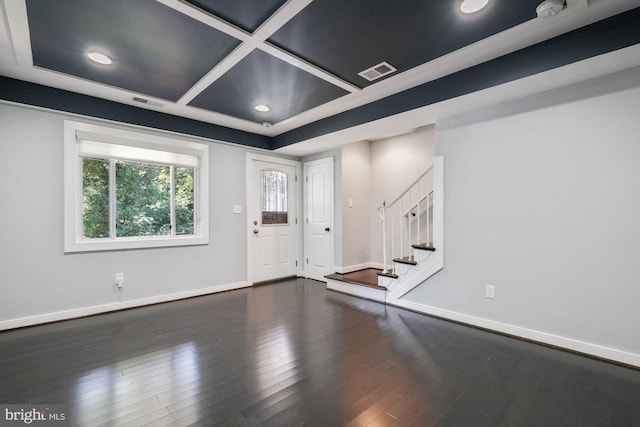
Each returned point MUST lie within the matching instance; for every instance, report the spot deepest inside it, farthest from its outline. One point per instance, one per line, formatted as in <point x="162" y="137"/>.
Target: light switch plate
<point x="237" y="209"/>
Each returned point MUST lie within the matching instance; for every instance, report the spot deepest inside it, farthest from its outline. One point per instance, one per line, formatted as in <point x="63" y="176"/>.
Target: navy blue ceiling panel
<point x="246" y="14"/>
<point x="156" y="50"/>
<point x="605" y="36"/>
<point x="263" y="79"/>
<point x="405" y="33"/>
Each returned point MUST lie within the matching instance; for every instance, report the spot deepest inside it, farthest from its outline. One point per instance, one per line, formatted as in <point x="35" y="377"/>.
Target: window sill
<point x="133" y="243"/>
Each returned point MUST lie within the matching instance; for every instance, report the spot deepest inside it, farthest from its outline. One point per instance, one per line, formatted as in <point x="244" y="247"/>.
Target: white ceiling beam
<point x="249" y="43"/>
<point x="272" y="25"/>
<point x="218" y="71"/>
<point x="18" y="32"/>
<point x="577" y="4"/>
<point x="206" y="18"/>
<point x="279" y="19"/>
<point x="309" y="68"/>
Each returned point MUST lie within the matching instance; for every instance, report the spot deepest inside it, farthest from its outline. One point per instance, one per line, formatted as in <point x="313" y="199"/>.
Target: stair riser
<point x="356" y="290"/>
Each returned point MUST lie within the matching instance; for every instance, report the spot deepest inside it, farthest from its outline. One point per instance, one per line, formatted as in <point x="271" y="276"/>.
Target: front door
<point x="318" y="218"/>
<point x="273" y="220"/>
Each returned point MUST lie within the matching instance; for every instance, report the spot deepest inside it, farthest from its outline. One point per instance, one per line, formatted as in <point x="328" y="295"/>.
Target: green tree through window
<point x="95" y="206"/>
<point x="184" y="200"/>
<point x="144" y="197"/>
<point x="143" y="200"/>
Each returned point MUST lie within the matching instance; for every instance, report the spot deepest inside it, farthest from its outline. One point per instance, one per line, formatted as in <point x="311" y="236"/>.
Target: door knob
<point x="327" y="229"/>
<point x="255" y="231"/>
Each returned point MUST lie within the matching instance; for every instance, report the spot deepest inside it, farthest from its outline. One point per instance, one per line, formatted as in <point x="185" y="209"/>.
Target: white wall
<point x="544" y="204"/>
<point x="37" y="278"/>
<point x="372" y="172"/>
<point x="356" y="186"/>
<point x="395" y="164"/>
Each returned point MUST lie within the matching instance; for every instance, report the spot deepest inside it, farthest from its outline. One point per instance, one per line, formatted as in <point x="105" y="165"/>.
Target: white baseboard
<point x="105" y="308"/>
<point x="529" y="334"/>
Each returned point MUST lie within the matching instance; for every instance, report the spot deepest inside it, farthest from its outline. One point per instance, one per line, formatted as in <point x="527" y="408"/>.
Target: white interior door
<point x="273" y="226"/>
<point x="318" y="218"/>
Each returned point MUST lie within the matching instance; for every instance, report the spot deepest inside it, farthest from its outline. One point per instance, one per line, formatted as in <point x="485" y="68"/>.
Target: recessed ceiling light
<point x="472" y="6"/>
<point x="262" y="108"/>
<point x="100" y="58"/>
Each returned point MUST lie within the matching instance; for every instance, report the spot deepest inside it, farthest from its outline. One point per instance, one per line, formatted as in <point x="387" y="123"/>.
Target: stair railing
<point x="403" y="217"/>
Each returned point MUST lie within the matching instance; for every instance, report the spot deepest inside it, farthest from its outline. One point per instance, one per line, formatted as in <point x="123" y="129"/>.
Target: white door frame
<point x="251" y="157"/>
<point x="329" y="161"/>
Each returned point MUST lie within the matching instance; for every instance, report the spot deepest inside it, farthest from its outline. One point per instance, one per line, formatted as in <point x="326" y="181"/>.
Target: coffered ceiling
<point x="214" y="61"/>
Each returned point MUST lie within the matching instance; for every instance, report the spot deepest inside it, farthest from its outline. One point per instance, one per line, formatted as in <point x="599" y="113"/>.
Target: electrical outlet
<point x="489" y="291"/>
<point x="120" y="279"/>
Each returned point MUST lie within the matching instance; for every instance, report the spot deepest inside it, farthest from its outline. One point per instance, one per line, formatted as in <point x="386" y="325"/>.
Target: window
<point x="128" y="190"/>
<point x="274" y="197"/>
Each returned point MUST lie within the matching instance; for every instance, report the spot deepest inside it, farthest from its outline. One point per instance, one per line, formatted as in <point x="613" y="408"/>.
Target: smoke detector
<point x="549" y="8"/>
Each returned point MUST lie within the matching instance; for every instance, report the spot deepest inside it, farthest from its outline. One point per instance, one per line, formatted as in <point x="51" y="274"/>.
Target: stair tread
<point x="389" y="273"/>
<point x="406" y="260"/>
<point x="424" y="246"/>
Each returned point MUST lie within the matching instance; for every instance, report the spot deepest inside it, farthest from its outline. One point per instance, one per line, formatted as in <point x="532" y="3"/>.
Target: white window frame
<point x="142" y="142"/>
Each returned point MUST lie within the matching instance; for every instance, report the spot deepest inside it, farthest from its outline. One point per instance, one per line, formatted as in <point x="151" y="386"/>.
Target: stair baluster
<point x="419" y="197"/>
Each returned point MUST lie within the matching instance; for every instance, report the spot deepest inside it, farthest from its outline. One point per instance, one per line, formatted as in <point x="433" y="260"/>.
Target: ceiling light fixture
<point x="473" y="6"/>
<point x="100" y="58"/>
<point x="262" y="108"/>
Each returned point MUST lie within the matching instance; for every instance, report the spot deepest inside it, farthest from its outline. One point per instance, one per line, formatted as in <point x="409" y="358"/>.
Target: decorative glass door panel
<point x="274" y="197"/>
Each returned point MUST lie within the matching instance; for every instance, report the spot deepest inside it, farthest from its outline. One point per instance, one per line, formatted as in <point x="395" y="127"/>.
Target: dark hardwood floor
<point x="293" y="353"/>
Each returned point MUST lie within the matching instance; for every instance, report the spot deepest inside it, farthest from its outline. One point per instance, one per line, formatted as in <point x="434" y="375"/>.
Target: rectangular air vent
<point x="377" y="71"/>
<point x="146" y="101"/>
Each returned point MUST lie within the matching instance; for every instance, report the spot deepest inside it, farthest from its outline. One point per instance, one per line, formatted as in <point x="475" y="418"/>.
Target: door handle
<point x="327" y="229"/>
<point x="256" y="231"/>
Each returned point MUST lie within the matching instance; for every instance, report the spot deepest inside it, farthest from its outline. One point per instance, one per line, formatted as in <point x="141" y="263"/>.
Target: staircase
<point x="412" y="234"/>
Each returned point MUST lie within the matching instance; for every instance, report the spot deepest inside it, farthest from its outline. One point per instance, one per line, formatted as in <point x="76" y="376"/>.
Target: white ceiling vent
<point x="377" y="71"/>
<point x="146" y="101"/>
